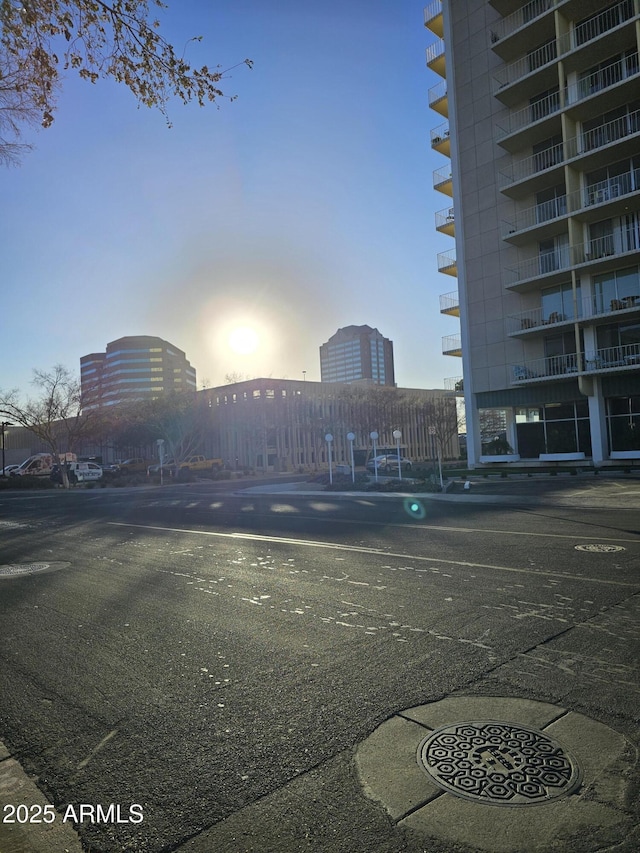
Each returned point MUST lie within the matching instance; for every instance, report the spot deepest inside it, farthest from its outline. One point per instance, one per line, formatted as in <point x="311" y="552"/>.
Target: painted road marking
<point x="337" y="546"/>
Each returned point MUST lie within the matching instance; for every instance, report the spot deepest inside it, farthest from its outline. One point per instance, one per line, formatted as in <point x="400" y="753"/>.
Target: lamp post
<point x="4" y="424"/>
<point x="160" y="443"/>
<point x="329" y="438"/>
<point x="398" y="435"/>
<point x="352" y="438"/>
<point x="374" y="437"/>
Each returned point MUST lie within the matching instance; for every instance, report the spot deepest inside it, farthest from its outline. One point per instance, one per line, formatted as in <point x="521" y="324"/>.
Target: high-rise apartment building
<point x="134" y="368"/>
<point x="357" y="353"/>
<point x="542" y="132"/>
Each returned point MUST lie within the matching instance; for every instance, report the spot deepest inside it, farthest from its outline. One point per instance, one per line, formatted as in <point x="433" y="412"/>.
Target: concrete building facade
<point x="357" y="353"/>
<point x="133" y="368"/>
<point x="541" y="102"/>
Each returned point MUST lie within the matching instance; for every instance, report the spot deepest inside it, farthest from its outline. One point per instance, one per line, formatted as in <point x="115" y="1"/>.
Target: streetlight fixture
<point x="4" y="424"/>
<point x="329" y="438"/>
<point x="374" y="437"/>
<point x="352" y="438"/>
<point x="398" y="435"/>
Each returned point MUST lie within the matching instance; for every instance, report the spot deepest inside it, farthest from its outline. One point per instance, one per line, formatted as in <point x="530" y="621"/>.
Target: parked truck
<point x="200" y="463"/>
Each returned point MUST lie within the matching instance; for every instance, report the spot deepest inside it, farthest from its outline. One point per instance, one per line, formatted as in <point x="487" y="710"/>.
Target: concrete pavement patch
<point x="387" y="765"/>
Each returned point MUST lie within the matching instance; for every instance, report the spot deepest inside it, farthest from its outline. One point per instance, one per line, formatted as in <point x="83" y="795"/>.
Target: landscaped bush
<point x="26" y="482"/>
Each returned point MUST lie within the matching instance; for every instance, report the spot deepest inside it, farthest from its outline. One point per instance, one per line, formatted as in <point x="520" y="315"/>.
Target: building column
<point x="598" y="423"/>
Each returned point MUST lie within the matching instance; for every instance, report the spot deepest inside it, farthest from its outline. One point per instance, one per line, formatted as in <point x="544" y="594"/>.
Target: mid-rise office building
<point x="357" y="353"/>
<point x="541" y="102"/>
<point x="134" y="368"/>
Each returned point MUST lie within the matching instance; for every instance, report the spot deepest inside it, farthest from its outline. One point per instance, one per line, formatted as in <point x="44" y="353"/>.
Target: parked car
<point x="8" y="469"/>
<point x="77" y="472"/>
<point x="388" y="464"/>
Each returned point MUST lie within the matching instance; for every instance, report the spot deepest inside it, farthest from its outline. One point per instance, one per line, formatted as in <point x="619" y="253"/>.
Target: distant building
<point x="281" y="424"/>
<point x="134" y="368"/>
<point x="357" y="353"/>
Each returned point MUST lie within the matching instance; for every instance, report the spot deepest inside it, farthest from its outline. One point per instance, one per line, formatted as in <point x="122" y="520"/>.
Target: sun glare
<point x="244" y="340"/>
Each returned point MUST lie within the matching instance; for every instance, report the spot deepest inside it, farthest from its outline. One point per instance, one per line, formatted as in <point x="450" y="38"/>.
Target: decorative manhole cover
<point x="600" y="549"/>
<point x="497" y="763"/>
<point x="12" y="570"/>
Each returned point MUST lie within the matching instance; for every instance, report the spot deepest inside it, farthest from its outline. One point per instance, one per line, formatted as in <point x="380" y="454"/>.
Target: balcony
<point x="436" y="58"/>
<point x="455" y="384"/>
<point x="524" y="119"/>
<point x="440" y="139"/>
<point x="613" y="192"/>
<point x="507" y="78"/>
<point x="596" y="26"/>
<point x="618" y="359"/>
<point x="452" y="345"/>
<point x="447" y="262"/>
<point x="438" y="99"/>
<point x="445" y="222"/>
<point x="443" y="182"/>
<point x="553" y="265"/>
<point x="589" y="309"/>
<point x="527" y="25"/>
<point x="450" y="304"/>
<point x="517" y="174"/>
<point x="433" y="18"/>
<point x="604" y="79"/>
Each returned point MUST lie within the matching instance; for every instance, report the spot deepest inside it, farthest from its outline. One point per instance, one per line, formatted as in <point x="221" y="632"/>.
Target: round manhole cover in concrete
<point x="498" y="763"/>
<point x="600" y="549"/>
<point x="14" y="570"/>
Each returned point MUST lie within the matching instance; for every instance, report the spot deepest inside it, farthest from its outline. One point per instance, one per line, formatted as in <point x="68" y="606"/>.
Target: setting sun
<point x="244" y="340"/>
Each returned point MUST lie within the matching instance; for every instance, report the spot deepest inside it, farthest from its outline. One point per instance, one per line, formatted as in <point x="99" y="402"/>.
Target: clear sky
<point x="303" y="206"/>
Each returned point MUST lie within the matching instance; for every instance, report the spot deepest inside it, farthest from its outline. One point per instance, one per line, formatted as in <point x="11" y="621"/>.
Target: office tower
<point x="357" y="353"/>
<point x="140" y="367"/>
<point x="542" y="109"/>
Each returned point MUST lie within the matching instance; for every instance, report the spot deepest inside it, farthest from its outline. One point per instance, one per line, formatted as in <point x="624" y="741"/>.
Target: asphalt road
<point x="216" y="658"/>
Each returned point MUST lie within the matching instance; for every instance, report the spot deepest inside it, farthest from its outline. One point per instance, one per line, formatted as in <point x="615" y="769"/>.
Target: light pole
<point x="160" y="443"/>
<point x="4" y="424"/>
<point x="374" y="437"/>
<point x="352" y="438"/>
<point x="329" y="438"/>
<point x="398" y="435"/>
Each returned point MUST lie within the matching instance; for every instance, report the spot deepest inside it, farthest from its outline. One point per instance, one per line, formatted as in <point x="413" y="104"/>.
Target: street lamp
<point x="4" y="424"/>
<point x="398" y="435"/>
<point x="374" y="437"/>
<point x="352" y="438"/>
<point x="329" y="438"/>
<point x="160" y="443"/>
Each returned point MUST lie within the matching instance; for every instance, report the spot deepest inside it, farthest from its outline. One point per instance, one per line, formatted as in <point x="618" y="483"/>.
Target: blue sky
<point x="303" y="206"/>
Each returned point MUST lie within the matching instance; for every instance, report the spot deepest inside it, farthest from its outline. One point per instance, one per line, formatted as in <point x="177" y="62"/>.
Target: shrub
<point x="26" y="482"/>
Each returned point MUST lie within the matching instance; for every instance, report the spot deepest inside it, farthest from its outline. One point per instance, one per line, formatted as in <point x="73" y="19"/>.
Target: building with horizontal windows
<point x="357" y="353"/>
<point x="134" y="368"/>
<point x="538" y="109"/>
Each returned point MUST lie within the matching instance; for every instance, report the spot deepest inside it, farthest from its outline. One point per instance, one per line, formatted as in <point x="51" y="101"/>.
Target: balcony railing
<point x="441" y="179"/>
<point x="515" y="71"/>
<point x="447" y="262"/>
<point x="433" y="10"/>
<point x="520" y="18"/>
<point x="452" y="345"/>
<point x="437" y="92"/>
<point x="435" y="51"/>
<point x="546" y="211"/>
<point x="618" y="244"/>
<point x="625" y="68"/>
<point x="440" y="134"/>
<point x="449" y="302"/>
<point x="588" y="308"/>
<point x="536" y="111"/>
<point x="454" y="383"/>
<point x="597" y="25"/>
<point x="561" y="366"/>
<point x="445" y="219"/>
<point x="555" y="155"/>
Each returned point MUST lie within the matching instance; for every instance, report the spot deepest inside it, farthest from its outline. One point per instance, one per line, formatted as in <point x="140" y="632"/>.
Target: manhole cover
<point x="497" y="763"/>
<point x="12" y="570"/>
<point x="600" y="549"/>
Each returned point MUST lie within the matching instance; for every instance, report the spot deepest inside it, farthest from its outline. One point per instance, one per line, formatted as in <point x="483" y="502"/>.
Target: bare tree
<point x="118" y="39"/>
<point x="56" y="415"/>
